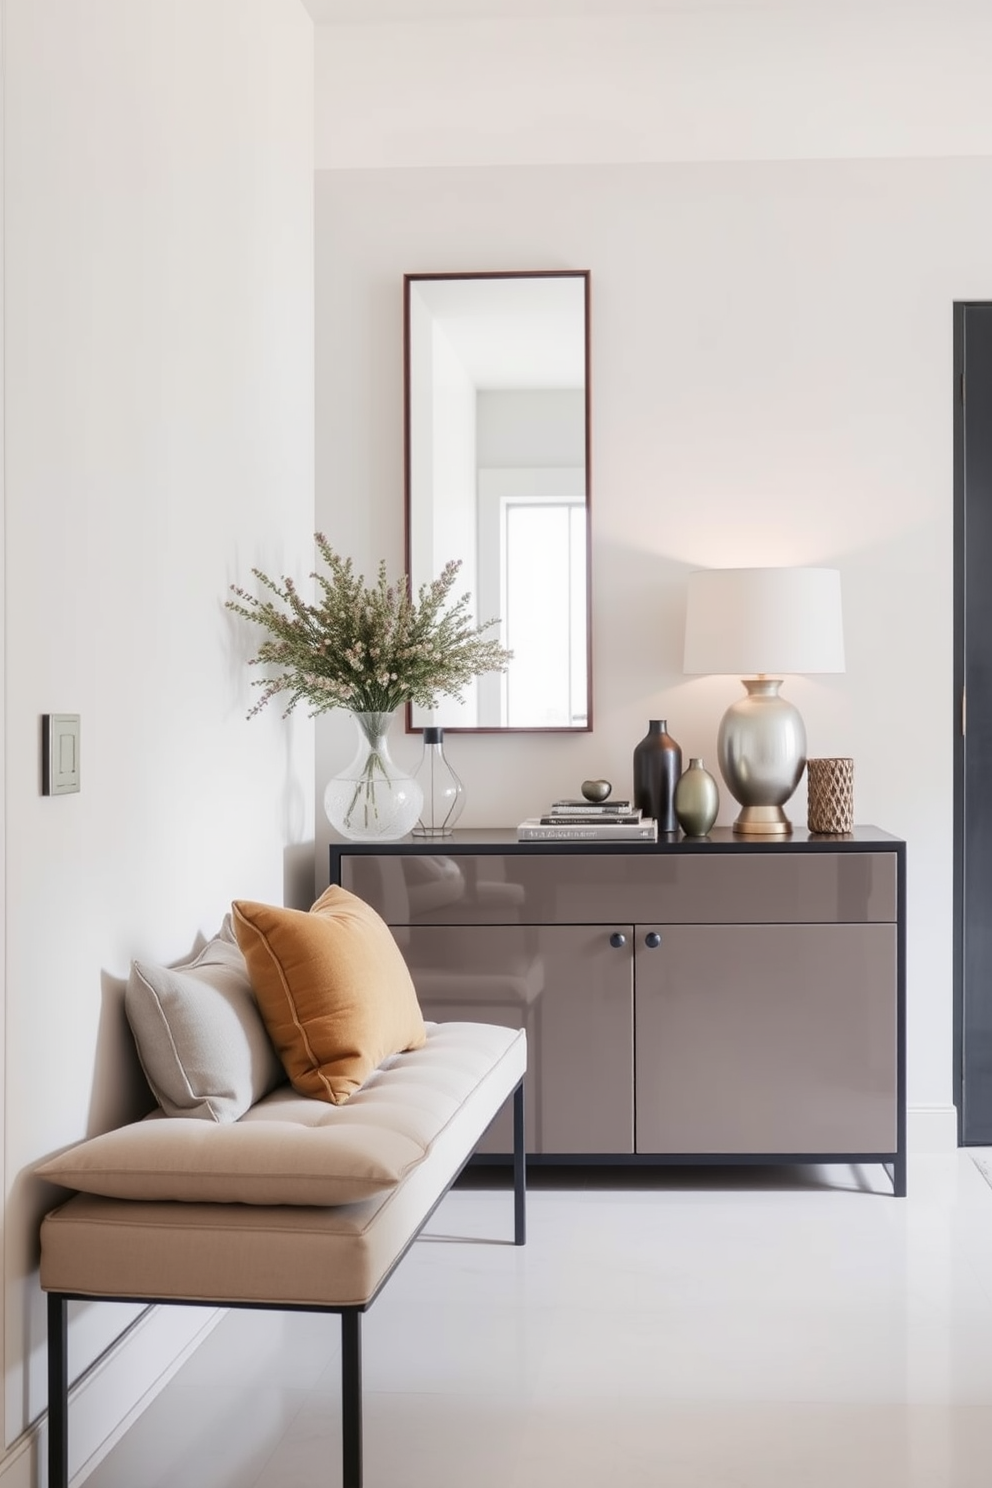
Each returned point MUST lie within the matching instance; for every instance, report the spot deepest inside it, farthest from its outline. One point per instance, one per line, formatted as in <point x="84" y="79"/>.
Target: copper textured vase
<point x="657" y="767"/>
<point x="830" y="783"/>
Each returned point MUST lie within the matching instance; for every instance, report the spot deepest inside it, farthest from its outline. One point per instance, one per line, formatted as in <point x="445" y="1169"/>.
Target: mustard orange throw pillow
<point x="333" y="990"/>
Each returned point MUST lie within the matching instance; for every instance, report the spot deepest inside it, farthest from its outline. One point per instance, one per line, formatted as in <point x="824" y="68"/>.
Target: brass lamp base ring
<point x="762" y="821"/>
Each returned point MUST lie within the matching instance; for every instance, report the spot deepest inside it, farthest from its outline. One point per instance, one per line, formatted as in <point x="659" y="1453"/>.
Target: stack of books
<point x="589" y="821"/>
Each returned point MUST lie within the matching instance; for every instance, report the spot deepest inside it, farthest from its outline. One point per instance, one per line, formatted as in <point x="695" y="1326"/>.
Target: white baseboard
<point x="113" y="1393"/>
<point x="931" y="1129"/>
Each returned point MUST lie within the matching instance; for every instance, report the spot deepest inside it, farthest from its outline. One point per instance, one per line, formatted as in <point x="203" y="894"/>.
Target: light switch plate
<point x="59" y="753"/>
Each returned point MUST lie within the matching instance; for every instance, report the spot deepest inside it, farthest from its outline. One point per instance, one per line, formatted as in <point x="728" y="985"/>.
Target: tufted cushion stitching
<point x="290" y="1149"/>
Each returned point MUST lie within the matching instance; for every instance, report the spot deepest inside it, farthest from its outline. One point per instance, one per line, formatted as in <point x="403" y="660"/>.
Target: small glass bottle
<point x="444" y="794"/>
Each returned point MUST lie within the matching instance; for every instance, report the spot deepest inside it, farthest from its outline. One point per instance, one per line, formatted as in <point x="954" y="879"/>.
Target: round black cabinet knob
<point x="652" y="939"/>
<point x="617" y="940"/>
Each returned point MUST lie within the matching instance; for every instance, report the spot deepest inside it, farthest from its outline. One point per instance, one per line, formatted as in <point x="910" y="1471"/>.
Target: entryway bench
<point x="298" y="1205"/>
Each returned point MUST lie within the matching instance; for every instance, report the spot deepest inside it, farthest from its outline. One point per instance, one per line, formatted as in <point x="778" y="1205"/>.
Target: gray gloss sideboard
<point x="717" y="1000"/>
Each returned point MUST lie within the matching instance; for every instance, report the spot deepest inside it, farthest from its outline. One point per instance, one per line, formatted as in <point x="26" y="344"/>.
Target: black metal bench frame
<point x="351" y="1332"/>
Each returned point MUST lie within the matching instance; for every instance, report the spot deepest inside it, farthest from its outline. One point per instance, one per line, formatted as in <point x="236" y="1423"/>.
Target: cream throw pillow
<point x="333" y="989"/>
<point x="199" y="1034"/>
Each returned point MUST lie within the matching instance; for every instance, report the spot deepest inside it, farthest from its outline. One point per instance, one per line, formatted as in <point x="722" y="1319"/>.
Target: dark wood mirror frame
<point x="410" y="280"/>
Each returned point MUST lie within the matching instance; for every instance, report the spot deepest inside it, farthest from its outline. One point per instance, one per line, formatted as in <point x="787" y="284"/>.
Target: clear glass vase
<point x="443" y="792"/>
<point x="373" y="800"/>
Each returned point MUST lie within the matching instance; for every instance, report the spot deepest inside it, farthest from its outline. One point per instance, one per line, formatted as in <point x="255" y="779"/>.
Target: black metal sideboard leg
<point x="519" y="1168"/>
<point x="896" y="1170"/>
<point x="351" y="1396"/>
<point x="58" y="1391"/>
<point x="899" y="1175"/>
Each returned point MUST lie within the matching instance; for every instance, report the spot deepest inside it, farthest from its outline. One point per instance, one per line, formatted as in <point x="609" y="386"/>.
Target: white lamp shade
<point x="773" y="620"/>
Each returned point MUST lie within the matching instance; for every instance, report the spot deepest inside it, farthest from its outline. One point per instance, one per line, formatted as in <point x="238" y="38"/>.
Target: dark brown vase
<point x="657" y="767"/>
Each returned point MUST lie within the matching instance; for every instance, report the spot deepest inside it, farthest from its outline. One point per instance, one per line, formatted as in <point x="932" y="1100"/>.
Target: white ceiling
<point x="374" y="12"/>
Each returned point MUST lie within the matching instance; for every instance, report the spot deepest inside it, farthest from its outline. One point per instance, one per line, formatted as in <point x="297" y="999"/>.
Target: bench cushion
<point x="287" y="1149"/>
<point x="276" y="1161"/>
<point x="312" y="1255"/>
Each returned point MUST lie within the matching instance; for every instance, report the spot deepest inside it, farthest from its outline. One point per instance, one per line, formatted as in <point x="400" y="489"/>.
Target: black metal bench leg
<point x="58" y="1391"/>
<point x="519" y="1168"/>
<point x="351" y="1396"/>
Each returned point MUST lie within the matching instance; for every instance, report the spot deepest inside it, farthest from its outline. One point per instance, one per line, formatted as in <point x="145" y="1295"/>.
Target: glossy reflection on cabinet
<point x="746" y="1001"/>
<point x="588" y="888"/>
<point x="767" y="1038"/>
<point x="571" y="991"/>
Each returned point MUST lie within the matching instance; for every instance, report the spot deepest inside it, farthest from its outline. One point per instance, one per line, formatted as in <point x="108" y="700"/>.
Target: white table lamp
<point x="763" y="621"/>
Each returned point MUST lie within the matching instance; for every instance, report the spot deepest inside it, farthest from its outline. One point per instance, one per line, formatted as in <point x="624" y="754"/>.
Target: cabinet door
<point x="572" y="991"/>
<point x="766" y="1039"/>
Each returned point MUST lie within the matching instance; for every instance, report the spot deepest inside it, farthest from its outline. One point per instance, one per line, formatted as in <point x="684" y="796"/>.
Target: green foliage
<point x="368" y="648"/>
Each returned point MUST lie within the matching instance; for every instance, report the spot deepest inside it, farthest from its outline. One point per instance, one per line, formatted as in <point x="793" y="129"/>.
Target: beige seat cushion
<point x="258" y="1162"/>
<point x="333" y="989"/>
<point x="288" y="1149"/>
<point x="279" y="1254"/>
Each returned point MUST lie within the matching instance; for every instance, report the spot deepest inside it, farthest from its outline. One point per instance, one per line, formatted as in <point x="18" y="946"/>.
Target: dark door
<point x="973" y="723"/>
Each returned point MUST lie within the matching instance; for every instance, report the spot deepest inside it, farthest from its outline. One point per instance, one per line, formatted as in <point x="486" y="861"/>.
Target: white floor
<point x="706" y="1329"/>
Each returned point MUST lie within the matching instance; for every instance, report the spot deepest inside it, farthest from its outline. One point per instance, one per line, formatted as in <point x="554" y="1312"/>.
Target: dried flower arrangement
<point x="369" y="648"/>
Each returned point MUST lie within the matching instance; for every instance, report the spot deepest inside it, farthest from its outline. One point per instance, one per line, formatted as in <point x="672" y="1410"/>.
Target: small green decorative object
<point x="697" y="800"/>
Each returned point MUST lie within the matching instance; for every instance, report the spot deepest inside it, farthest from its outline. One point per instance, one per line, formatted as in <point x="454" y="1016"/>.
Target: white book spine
<point x="642" y="831"/>
<point x="564" y="812"/>
<point x="594" y="808"/>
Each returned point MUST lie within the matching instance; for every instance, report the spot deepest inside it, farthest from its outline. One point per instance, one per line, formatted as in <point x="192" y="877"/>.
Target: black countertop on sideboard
<point x="720" y="840"/>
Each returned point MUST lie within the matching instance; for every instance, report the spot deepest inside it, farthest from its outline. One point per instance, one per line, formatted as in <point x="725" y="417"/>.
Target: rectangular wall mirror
<point x="497" y="474"/>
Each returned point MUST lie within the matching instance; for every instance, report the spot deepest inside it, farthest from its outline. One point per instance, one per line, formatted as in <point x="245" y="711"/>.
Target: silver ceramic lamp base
<point x="761" y="748"/>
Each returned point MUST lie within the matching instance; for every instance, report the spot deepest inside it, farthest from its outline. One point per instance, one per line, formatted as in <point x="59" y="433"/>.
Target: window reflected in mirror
<point x="497" y="440"/>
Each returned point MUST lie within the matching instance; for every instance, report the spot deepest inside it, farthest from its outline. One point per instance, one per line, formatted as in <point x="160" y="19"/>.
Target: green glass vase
<point x="697" y="800"/>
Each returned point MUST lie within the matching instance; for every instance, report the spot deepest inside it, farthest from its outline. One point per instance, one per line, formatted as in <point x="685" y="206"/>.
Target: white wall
<point x="532" y="426"/>
<point x="159" y="414"/>
<point x="453" y="442"/>
<point x="421" y="353"/>
<point x="700" y="80"/>
<point x="454" y="531"/>
<point x="771" y="355"/>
